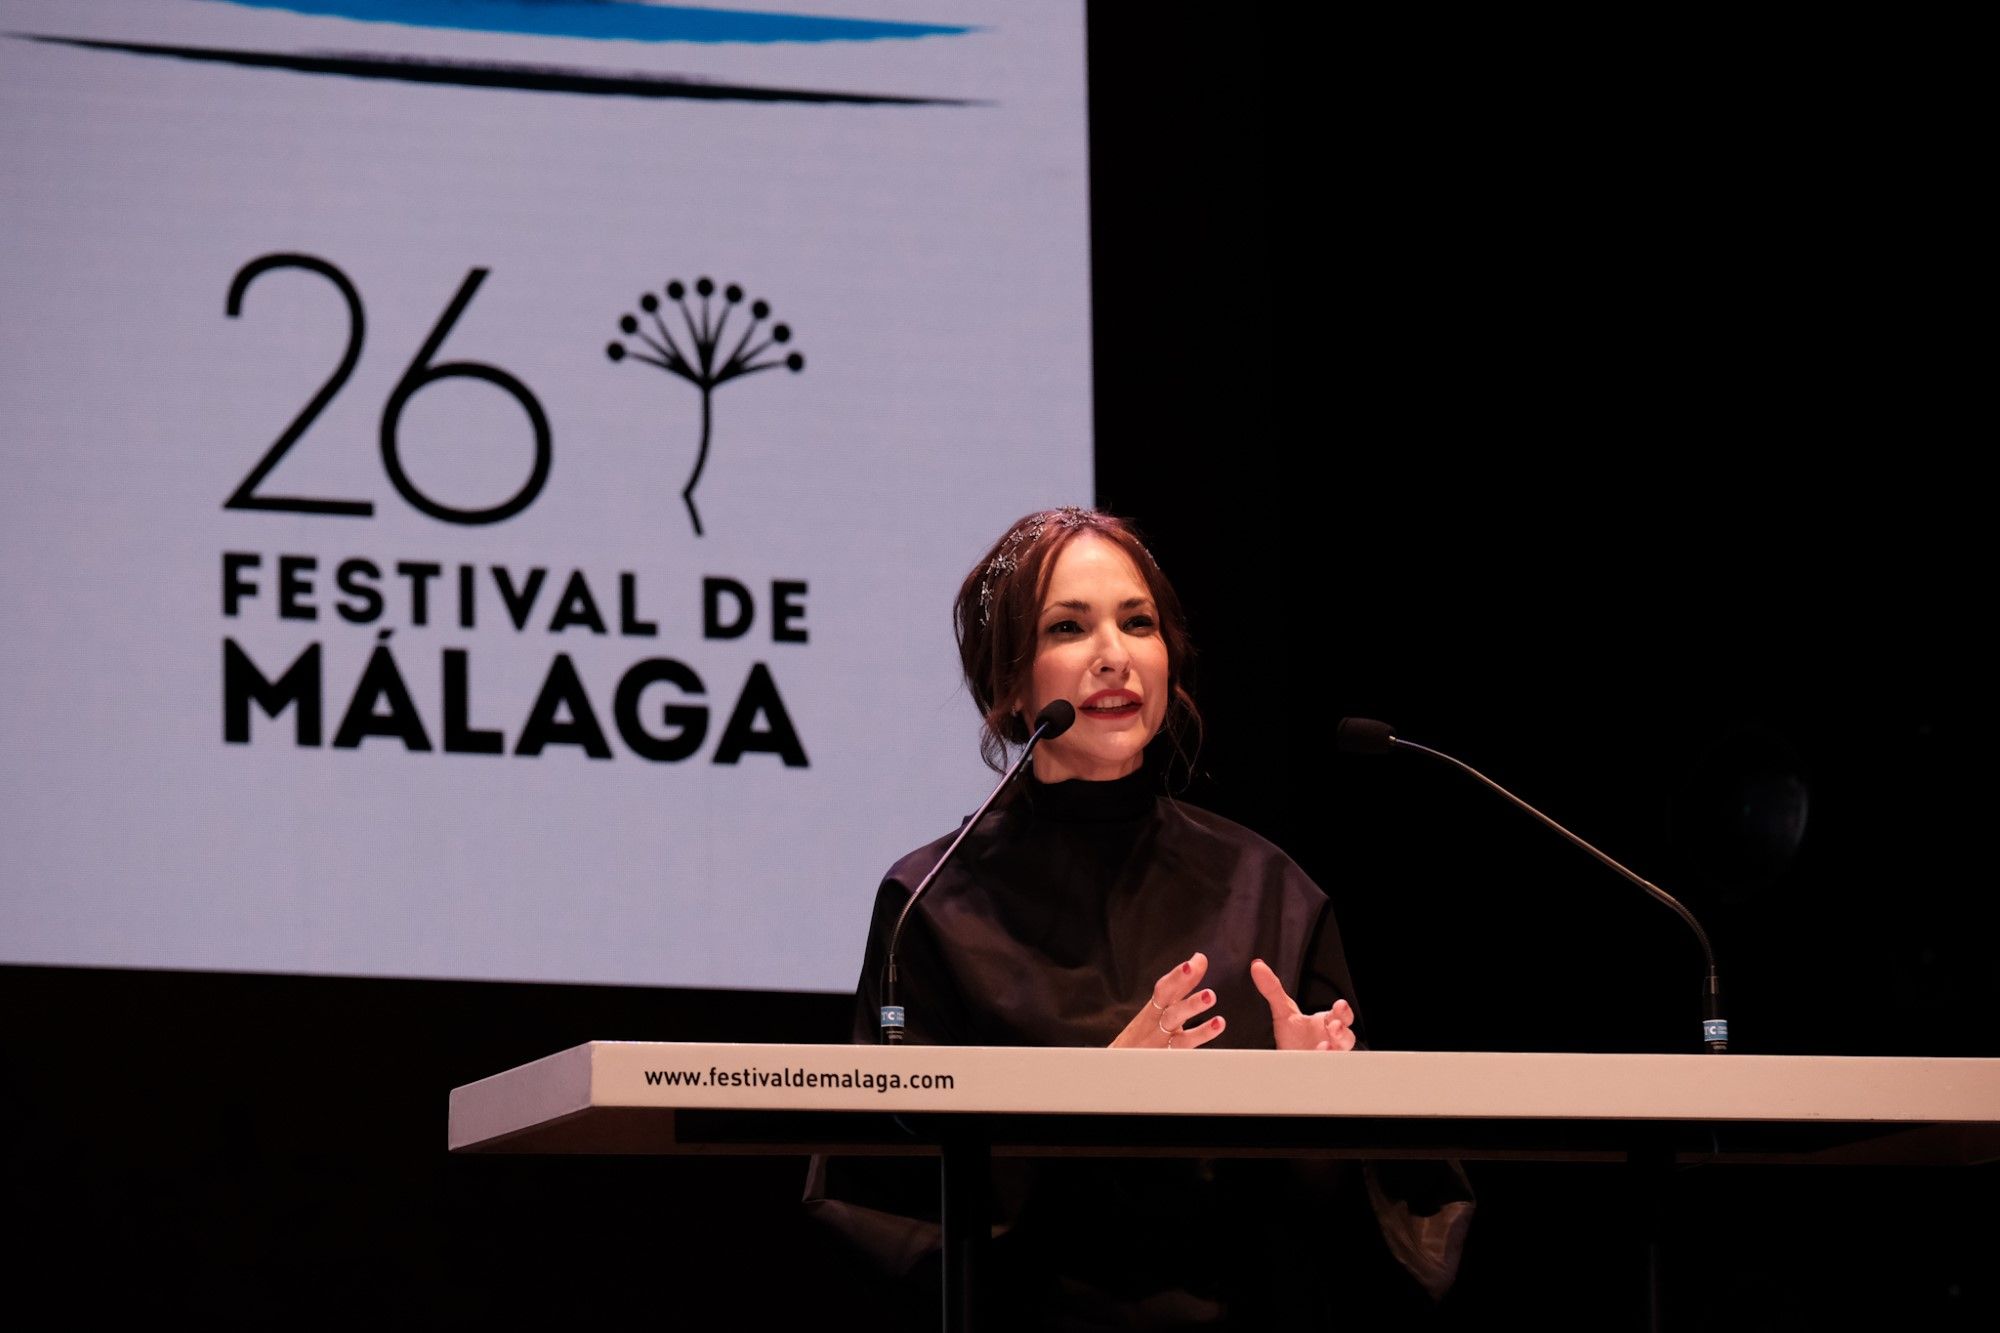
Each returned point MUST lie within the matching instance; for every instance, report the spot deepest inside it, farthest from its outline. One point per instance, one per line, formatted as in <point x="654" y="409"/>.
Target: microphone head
<point x="1058" y="716"/>
<point x="1363" y="735"/>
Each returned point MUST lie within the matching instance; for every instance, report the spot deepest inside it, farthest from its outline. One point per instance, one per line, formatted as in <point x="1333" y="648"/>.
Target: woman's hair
<point x="999" y="609"/>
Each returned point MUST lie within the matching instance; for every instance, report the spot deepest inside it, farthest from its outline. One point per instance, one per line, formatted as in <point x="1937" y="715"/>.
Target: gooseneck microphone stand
<point x="1651" y="1163"/>
<point x="965" y="1169"/>
<point x="1052" y="721"/>
<point x="1361" y="735"/>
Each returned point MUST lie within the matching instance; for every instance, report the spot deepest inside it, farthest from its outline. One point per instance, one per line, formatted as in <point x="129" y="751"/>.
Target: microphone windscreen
<point x="1056" y="718"/>
<point x="1363" y="735"/>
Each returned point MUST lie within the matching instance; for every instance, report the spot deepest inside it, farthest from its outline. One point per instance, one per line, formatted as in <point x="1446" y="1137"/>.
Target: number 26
<point x="419" y="374"/>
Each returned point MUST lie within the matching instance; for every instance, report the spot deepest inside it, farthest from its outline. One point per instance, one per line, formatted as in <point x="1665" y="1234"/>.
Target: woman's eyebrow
<point x="1078" y="604"/>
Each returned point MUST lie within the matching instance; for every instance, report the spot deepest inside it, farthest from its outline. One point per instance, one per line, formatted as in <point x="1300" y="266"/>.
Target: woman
<point x="1093" y="909"/>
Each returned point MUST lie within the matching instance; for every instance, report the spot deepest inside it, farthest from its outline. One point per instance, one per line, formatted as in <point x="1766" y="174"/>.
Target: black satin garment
<point x="1059" y="914"/>
<point x="1050" y="928"/>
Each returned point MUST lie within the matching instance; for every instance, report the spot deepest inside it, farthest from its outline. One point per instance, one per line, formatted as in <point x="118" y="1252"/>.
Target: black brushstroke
<point x="520" y="78"/>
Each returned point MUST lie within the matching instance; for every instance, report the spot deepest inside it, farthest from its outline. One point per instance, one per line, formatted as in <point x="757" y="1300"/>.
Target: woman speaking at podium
<point x="1091" y="908"/>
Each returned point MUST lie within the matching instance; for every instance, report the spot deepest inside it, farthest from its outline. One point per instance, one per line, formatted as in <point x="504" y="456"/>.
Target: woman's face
<point x="1098" y="645"/>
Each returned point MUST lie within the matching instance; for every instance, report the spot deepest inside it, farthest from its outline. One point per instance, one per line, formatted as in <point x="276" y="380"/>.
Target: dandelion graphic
<point x="655" y="346"/>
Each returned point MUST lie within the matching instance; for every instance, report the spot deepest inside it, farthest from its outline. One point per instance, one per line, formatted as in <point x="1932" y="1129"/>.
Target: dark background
<point x="1591" y="405"/>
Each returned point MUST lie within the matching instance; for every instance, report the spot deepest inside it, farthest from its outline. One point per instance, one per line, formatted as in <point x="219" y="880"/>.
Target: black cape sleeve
<point x="1058" y="931"/>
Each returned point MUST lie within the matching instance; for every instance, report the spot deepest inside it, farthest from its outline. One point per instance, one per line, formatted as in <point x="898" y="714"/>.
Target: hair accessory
<point x="1004" y="562"/>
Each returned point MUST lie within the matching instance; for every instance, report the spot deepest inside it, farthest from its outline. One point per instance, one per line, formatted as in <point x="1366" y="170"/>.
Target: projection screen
<point x="487" y="480"/>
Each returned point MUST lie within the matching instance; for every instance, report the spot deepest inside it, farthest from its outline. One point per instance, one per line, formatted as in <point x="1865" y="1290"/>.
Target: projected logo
<point x="756" y="349"/>
<point x="661" y="705"/>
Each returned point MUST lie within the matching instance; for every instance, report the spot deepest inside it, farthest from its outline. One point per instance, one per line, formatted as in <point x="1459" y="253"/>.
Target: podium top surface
<point x="645" y="1091"/>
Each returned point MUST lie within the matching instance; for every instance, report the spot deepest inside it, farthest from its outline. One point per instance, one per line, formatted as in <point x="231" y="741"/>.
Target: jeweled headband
<point x="1004" y="561"/>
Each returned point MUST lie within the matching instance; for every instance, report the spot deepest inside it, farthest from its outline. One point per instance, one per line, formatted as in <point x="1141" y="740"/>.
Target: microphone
<point x="1055" y="718"/>
<point x="1365" y="735"/>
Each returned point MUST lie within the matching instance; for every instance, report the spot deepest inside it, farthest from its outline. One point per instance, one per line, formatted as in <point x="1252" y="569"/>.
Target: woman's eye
<point x="1139" y="623"/>
<point x="1065" y="627"/>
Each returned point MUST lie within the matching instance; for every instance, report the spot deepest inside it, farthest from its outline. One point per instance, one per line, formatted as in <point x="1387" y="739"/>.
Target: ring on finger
<point x="1170" y="1039"/>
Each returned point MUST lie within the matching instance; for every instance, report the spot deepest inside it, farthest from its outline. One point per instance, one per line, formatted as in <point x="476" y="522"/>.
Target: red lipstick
<point x="1110" y="705"/>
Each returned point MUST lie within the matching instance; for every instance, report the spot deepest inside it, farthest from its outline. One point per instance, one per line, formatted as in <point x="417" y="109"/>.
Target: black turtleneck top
<point x="1062" y="909"/>
<point x="1049" y="928"/>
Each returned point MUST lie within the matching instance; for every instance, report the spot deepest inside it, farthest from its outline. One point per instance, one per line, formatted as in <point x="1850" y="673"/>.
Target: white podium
<point x="965" y="1104"/>
<point x="668" y="1097"/>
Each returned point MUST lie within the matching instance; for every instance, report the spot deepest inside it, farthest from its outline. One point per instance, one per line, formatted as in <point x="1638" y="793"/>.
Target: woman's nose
<point x="1111" y="653"/>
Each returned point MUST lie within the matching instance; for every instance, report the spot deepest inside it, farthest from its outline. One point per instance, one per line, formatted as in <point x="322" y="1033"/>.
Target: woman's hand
<point x="1329" y="1030"/>
<point x="1162" y="1023"/>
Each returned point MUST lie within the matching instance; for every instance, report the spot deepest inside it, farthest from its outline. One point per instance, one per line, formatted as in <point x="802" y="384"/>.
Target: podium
<point x="672" y="1097"/>
<point x="964" y="1103"/>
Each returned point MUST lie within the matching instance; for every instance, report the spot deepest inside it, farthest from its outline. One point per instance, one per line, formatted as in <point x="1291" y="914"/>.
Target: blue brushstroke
<point x="610" y="20"/>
